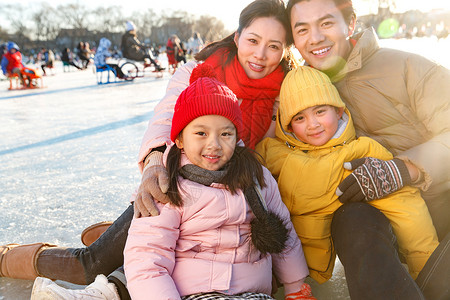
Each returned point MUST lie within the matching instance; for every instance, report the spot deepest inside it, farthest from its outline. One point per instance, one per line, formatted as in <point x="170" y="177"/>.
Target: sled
<point x="111" y="75"/>
<point x="32" y="79"/>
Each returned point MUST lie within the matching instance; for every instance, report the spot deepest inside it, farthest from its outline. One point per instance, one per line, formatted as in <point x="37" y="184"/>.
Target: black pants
<point x="46" y="65"/>
<point x="142" y="55"/>
<point x="82" y="265"/>
<point x="366" y="246"/>
<point x="84" y="61"/>
<point x="116" y="68"/>
<point x="71" y="63"/>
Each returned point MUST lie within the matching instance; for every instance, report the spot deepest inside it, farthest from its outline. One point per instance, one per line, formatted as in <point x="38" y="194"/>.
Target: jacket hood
<point x="12" y="45"/>
<point x="105" y="43"/>
<point x="345" y="134"/>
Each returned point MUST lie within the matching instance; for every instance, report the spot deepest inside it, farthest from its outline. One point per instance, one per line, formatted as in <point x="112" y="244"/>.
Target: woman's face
<point x="261" y="46"/>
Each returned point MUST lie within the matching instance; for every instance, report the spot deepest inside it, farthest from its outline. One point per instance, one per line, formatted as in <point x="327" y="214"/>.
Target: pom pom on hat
<point x="205" y="96"/>
<point x="202" y="70"/>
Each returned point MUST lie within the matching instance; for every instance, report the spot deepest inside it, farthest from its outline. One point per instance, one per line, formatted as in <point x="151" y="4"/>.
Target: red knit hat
<point x="205" y="96"/>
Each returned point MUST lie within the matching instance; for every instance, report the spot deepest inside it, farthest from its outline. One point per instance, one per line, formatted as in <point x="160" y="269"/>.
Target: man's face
<point x="320" y="33"/>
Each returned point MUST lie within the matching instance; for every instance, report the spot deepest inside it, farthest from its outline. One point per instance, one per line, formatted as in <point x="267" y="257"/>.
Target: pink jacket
<point x="205" y="246"/>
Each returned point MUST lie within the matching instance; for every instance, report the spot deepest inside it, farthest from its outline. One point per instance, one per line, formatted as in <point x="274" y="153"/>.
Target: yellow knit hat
<point x="302" y="88"/>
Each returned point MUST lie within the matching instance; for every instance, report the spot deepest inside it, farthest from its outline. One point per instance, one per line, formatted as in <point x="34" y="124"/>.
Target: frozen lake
<point x="68" y="156"/>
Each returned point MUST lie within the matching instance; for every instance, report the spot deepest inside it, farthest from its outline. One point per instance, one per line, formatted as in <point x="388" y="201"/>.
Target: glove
<point x="154" y="186"/>
<point x="371" y="179"/>
<point x="304" y="293"/>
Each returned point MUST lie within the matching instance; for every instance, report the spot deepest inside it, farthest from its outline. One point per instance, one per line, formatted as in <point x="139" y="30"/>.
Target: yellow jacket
<point x="308" y="177"/>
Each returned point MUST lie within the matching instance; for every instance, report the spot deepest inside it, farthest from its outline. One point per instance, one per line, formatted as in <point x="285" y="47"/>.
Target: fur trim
<point x="269" y="233"/>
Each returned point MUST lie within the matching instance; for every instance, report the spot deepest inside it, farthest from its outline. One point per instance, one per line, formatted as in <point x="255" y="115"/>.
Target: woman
<point x="257" y="56"/>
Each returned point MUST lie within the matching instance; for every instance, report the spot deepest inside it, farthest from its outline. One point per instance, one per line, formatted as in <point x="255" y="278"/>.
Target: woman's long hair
<point x="242" y="170"/>
<point x="256" y="9"/>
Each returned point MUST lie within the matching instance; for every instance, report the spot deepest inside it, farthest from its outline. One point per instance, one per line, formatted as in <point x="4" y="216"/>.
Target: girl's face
<point x="261" y="46"/>
<point x="316" y="125"/>
<point x="208" y="141"/>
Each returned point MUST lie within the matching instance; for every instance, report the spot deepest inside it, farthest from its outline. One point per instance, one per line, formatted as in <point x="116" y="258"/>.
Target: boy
<point x="314" y="138"/>
<point x="12" y="62"/>
<point x="408" y="93"/>
<point x="400" y="99"/>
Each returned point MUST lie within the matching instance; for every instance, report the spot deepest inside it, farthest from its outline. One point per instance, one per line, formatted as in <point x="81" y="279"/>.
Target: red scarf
<point x="258" y="95"/>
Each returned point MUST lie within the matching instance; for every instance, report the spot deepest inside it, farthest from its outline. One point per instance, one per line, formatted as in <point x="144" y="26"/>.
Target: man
<point x="400" y="100"/>
<point x="133" y="49"/>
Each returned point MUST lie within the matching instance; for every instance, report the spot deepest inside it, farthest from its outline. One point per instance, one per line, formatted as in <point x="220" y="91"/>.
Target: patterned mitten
<point x="372" y="178"/>
<point x="304" y="293"/>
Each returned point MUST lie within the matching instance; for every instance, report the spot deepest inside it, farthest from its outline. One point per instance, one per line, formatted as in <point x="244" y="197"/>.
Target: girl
<point x="209" y="239"/>
<point x="225" y="225"/>
<point x="252" y="62"/>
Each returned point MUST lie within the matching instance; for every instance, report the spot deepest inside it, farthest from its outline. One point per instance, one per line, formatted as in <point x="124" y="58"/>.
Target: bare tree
<point x="46" y="27"/>
<point x="15" y="14"/>
<point x="4" y="36"/>
<point x="74" y="15"/>
<point x="145" y="21"/>
<point x="210" y="28"/>
<point x="81" y="24"/>
<point x="108" y="19"/>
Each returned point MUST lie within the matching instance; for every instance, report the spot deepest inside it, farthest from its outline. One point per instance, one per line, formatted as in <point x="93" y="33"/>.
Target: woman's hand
<point x="154" y="186"/>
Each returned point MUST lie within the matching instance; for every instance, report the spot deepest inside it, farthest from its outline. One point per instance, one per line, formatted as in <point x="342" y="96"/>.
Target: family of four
<point x="354" y="147"/>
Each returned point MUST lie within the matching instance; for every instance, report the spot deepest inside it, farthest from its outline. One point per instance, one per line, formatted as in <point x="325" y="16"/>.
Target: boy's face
<point x="13" y="50"/>
<point x="316" y="125"/>
<point x="320" y="33"/>
<point x="208" y="141"/>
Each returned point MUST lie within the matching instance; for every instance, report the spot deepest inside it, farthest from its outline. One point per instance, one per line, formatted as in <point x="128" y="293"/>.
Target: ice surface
<point x="68" y="157"/>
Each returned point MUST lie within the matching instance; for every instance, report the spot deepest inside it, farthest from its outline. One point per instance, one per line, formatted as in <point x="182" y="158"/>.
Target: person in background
<point x="133" y="49"/>
<point x="84" y="53"/>
<point x="67" y="58"/>
<point x="102" y="54"/>
<point x="314" y="138"/>
<point x="181" y="54"/>
<point x="171" y="50"/>
<point x="401" y="100"/>
<point x="195" y="44"/>
<point x="12" y="62"/>
<point x="48" y="59"/>
<point x="3" y="50"/>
